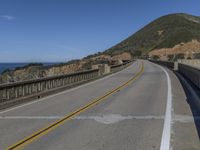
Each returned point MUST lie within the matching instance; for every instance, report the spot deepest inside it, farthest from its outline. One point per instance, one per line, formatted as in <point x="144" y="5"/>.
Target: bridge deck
<point x="131" y="118"/>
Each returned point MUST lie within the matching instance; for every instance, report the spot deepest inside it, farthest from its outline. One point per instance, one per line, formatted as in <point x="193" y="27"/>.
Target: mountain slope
<point x="164" y="32"/>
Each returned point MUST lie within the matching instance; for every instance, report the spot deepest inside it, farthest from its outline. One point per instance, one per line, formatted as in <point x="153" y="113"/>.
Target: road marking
<point x="166" y="134"/>
<point x="66" y="91"/>
<point x="21" y="144"/>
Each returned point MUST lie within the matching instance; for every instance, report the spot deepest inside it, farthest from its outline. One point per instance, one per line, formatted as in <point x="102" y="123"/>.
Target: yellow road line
<point x="21" y="144"/>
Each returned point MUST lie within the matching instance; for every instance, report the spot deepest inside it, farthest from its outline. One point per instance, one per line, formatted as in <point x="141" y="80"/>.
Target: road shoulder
<point x="184" y="134"/>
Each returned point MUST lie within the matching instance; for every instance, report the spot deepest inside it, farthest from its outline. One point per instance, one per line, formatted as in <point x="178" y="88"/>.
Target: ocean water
<point x="4" y="66"/>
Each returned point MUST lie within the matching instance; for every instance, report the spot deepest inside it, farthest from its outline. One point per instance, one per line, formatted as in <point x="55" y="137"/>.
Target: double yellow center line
<point x="21" y="144"/>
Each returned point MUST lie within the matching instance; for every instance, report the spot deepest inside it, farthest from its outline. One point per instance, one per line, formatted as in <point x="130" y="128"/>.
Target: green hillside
<point x="164" y="32"/>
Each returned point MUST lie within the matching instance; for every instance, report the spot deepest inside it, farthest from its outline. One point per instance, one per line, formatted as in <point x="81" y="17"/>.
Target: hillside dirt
<point x="188" y="49"/>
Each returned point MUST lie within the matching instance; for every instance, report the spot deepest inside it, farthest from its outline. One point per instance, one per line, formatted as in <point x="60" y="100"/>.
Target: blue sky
<point x="60" y="30"/>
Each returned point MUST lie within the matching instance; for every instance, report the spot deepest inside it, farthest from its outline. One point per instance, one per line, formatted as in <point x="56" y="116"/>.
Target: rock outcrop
<point x="188" y="50"/>
<point x="123" y="56"/>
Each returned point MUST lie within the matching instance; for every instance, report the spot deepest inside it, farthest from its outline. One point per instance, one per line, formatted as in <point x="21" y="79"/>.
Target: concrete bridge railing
<point x="116" y="68"/>
<point x="190" y="72"/>
<point x="191" y="62"/>
<point x="35" y="88"/>
<point x="25" y="88"/>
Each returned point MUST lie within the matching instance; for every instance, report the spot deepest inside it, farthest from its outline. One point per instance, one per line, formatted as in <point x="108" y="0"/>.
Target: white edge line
<point x="66" y="91"/>
<point x="166" y="134"/>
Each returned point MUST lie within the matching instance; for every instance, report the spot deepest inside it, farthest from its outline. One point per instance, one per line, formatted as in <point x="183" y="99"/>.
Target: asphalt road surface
<point x="150" y="112"/>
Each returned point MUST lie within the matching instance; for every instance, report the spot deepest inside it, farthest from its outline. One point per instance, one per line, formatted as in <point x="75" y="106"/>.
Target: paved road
<point x="132" y="118"/>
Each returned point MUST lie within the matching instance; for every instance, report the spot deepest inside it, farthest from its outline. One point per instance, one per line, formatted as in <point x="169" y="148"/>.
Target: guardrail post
<point x="7" y="94"/>
<point x="1" y="95"/>
<point x="16" y="92"/>
<point x="103" y="68"/>
<point x="175" y="66"/>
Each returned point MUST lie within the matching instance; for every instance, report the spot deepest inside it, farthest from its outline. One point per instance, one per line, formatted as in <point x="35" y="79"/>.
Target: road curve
<point x="131" y="118"/>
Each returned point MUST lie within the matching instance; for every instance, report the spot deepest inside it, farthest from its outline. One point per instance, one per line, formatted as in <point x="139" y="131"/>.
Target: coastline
<point x="13" y="65"/>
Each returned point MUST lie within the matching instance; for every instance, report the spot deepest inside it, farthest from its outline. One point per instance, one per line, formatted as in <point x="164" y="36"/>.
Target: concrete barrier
<point x="190" y="62"/>
<point x="17" y="91"/>
<point x="25" y="88"/>
<point x="116" y="68"/>
<point x="103" y="68"/>
<point x="168" y="64"/>
<point x="189" y="71"/>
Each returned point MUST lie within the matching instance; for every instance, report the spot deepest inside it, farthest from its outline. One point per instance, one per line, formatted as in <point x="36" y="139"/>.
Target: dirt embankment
<point x="122" y="56"/>
<point x="187" y="49"/>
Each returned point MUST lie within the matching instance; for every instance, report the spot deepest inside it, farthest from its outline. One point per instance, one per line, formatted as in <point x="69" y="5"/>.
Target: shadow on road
<point x="193" y="99"/>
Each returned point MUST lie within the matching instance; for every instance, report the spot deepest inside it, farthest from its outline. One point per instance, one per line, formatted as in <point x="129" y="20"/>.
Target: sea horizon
<point x="13" y="65"/>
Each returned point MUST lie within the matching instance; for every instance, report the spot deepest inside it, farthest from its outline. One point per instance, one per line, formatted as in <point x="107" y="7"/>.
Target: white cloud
<point x="7" y="17"/>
